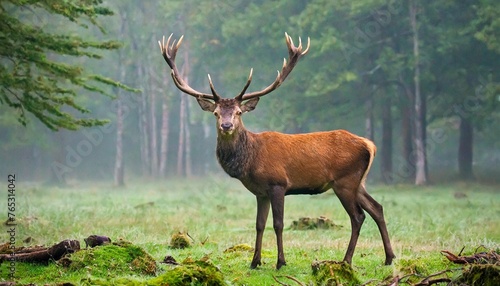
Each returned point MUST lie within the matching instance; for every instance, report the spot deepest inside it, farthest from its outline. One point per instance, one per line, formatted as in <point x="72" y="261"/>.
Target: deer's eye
<point x="216" y="114"/>
<point x="238" y="112"/>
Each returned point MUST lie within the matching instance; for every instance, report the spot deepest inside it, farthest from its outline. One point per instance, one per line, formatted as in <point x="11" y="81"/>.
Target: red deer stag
<point x="272" y="165"/>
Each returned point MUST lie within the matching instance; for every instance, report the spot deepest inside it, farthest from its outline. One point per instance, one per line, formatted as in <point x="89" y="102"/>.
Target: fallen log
<point x="490" y="257"/>
<point x="43" y="254"/>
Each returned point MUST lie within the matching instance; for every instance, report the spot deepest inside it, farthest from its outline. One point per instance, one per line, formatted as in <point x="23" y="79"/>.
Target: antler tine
<point x="169" y="52"/>
<point x="160" y="44"/>
<point x="239" y="97"/>
<point x="214" y="93"/>
<point x="174" y="47"/>
<point x="294" y="54"/>
<point x="292" y="48"/>
<point x="307" y="48"/>
<point x="170" y="47"/>
<point x="289" y="39"/>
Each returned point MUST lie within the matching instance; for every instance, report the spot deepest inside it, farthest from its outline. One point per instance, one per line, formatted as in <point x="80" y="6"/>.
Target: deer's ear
<point x="206" y="105"/>
<point x="250" y="105"/>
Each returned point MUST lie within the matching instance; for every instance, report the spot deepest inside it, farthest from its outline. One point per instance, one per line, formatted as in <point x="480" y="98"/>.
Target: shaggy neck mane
<point x="234" y="153"/>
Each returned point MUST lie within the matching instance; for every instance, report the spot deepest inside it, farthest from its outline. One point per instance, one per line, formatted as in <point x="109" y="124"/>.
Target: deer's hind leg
<point x="376" y="211"/>
<point x="348" y="197"/>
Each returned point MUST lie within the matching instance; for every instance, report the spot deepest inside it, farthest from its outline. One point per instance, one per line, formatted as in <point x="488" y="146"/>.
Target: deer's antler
<point x="294" y="54"/>
<point x="169" y="51"/>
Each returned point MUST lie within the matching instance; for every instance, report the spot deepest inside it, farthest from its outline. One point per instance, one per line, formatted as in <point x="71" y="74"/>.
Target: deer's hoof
<point x="280" y="264"/>
<point x="255" y="263"/>
<point x="388" y="260"/>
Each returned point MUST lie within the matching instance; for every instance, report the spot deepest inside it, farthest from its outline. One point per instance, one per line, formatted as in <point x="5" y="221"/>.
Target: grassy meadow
<point x="218" y="213"/>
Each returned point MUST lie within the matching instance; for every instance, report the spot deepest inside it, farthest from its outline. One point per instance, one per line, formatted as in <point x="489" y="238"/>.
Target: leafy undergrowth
<point x="478" y="274"/>
<point x="480" y="268"/>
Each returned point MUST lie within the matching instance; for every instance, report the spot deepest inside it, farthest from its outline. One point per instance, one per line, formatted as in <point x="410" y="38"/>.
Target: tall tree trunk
<point x="180" y="149"/>
<point x="420" y="175"/>
<point x="369" y="133"/>
<point x="188" y="170"/>
<point x="386" y="150"/>
<point x="143" y="129"/>
<point x="119" y="166"/>
<point x="424" y="132"/>
<point x="407" y="170"/>
<point x="164" y="138"/>
<point x="465" y="150"/>
<point x="153" y="138"/>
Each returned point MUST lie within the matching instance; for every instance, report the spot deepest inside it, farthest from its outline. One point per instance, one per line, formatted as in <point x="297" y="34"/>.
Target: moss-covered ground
<point x="219" y="216"/>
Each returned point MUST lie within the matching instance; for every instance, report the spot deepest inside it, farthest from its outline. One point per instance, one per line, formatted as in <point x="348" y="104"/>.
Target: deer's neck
<point x="235" y="153"/>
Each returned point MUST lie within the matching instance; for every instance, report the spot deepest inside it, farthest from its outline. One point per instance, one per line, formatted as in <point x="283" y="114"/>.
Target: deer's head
<point x="228" y="111"/>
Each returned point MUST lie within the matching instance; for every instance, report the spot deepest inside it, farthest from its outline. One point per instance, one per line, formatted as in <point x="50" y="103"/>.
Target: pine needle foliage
<point x="31" y="81"/>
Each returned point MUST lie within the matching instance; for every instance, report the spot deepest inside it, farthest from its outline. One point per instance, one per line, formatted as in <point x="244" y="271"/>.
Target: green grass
<point x="218" y="212"/>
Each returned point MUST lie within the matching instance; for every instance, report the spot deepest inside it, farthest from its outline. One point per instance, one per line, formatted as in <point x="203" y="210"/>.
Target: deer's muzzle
<point x="226" y="127"/>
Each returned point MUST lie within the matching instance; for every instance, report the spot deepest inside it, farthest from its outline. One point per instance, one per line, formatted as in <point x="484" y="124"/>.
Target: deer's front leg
<point x="262" y="213"/>
<point x="277" y="196"/>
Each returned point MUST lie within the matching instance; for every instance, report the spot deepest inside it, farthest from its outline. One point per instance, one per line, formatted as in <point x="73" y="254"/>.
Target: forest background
<point x="419" y="78"/>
